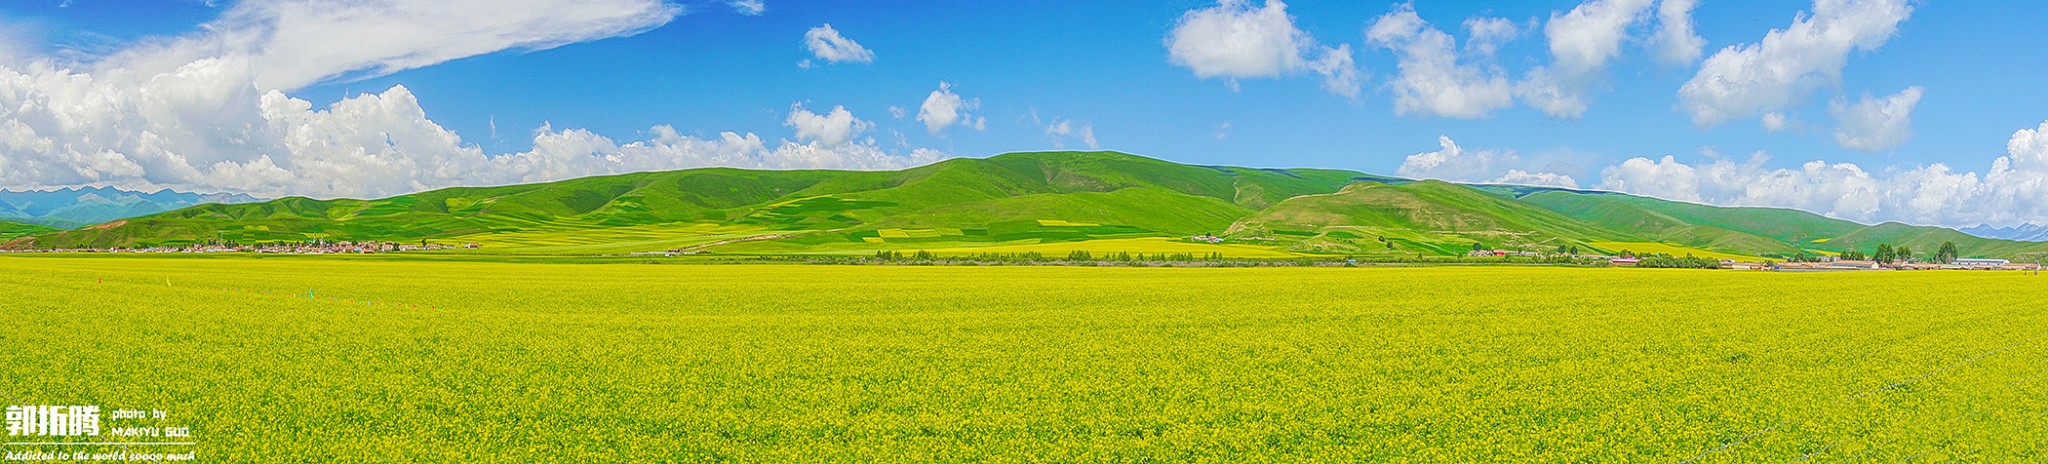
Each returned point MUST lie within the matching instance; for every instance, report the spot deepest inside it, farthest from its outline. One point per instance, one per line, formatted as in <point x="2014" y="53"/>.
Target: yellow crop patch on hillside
<point x="1150" y="245"/>
<point x="612" y="240"/>
<point x="917" y="233"/>
<point x="1673" y="250"/>
<point x="1060" y="223"/>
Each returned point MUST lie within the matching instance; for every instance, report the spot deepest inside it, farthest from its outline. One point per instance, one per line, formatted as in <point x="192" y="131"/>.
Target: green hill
<point x="1011" y="200"/>
<point x="1780" y="225"/>
<point x="1021" y="196"/>
<point x="586" y="203"/>
<point x="1428" y="216"/>
<point x="10" y="230"/>
<point x="1761" y="231"/>
<point x="1667" y="221"/>
<point x="1925" y="240"/>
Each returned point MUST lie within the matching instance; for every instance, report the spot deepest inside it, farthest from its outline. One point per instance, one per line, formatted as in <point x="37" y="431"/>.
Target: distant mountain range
<point x="77" y="207"/>
<point x="1020" y="199"/>
<point x="2022" y="232"/>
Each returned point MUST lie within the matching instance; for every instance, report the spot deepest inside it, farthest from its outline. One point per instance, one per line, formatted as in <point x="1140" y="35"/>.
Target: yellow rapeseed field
<point x="324" y="360"/>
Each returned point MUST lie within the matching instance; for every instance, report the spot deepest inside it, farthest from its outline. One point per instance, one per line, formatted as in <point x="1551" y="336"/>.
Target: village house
<point x="1979" y="263"/>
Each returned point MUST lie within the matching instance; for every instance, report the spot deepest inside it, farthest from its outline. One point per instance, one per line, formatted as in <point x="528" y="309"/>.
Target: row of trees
<point x="1887" y="254"/>
<point x="1947" y="253"/>
<point x="1561" y="249"/>
<point x="1686" y="262"/>
<point x="1802" y="257"/>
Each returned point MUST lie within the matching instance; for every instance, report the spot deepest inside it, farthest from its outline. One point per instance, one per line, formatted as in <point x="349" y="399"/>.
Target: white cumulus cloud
<point x="1448" y="162"/>
<point x="1876" y="124"/>
<point x="1432" y="82"/>
<point x="749" y="7"/>
<point x="1775" y="122"/>
<point x="1581" y="42"/>
<point x="1451" y="162"/>
<point x="1483" y="35"/>
<point x="2008" y="193"/>
<point x="943" y="109"/>
<point x="1676" y="43"/>
<point x="1235" y="40"/>
<point x="836" y="127"/>
<point x="826" y="44"/>
<point x="1339" y="70"/>
<point x="293" y="43"/>
<point x="209" y="111"/>
<point x="1061" y="130"/>
<point x="1752" y="79"/>
<point x="1840" y="190"/>
<point x="1540" y="179"/>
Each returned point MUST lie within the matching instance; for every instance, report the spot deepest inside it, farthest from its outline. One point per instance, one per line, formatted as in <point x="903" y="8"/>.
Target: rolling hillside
<point x="10" y="230"/>
<point x="1014" y="197"/>
<point x="1674" y="222"/>
<point x="1924" y="240"/>
<point x="1430" y="216"/>
<point x="1015" y="200"/>
<point x="1761" y="231"/>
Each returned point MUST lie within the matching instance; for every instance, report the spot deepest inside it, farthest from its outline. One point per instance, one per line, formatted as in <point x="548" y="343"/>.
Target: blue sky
<point x="1906" y="105"/>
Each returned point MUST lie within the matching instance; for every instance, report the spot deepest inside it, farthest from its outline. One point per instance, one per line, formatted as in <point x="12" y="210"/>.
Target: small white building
<point x="1980" y="262"/>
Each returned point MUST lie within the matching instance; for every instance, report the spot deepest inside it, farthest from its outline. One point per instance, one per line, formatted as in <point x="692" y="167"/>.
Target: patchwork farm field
<point x="320" y="360"/>
<point x="1150" y="245"/>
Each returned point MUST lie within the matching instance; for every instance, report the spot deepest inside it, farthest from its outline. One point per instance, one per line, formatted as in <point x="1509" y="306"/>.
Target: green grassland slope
<point x="10" y="230"/>
<point x="1760" y="231"/>
<point x="1429" y="216"/>
<point x="1011" y="199"/>
<point x="1008" y="197"/>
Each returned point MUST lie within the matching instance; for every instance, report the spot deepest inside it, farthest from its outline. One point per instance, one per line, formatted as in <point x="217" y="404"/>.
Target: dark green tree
<point x="1947" y="253"/>
<point x="1884" y="254"/>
